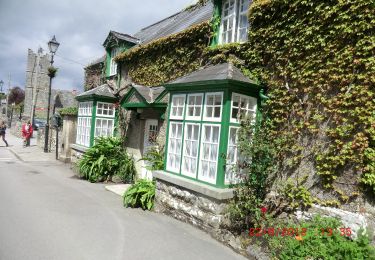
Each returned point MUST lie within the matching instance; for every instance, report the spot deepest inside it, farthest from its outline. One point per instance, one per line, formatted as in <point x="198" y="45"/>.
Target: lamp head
<point x="53" y="45"/>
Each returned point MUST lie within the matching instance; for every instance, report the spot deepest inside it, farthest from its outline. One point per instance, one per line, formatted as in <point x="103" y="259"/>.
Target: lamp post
<point x="52" y="45"/>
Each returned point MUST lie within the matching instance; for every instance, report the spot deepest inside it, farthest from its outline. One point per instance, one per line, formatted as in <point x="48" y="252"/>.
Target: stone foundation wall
<point x="197" y="209"/>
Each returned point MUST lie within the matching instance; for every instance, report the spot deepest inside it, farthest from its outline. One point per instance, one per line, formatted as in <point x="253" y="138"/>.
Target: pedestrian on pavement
<point x="27" y="132"/>
<point x="3" y="128"/>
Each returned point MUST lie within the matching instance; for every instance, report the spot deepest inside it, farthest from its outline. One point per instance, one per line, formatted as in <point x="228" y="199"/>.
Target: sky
<point x="80" y="26"/>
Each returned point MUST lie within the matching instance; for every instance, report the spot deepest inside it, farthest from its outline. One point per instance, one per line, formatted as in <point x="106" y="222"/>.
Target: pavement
<point x="33" y="153"/>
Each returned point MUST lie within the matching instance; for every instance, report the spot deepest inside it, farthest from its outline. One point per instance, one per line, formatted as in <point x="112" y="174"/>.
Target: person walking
<point x="27" y="133"/>
<point x="3" y="128"/>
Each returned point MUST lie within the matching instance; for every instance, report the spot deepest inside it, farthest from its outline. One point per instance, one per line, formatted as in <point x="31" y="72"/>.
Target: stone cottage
<point x="193" y="112"/>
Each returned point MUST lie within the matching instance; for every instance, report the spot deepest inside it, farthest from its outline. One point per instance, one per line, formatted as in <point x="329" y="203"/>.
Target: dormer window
<point x="113" y="63"/>
<point x="234" y="21"/>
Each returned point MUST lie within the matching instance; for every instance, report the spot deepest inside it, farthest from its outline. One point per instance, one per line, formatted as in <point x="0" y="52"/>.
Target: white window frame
<point x="111" y="108"/>
<point x="84" y="131"/>
<point x="113" y="64"/>
<point x="236" y="15"/>
<point x="108" y="120"/>
<point x="171" y="116"/>
<point x="230" y="177"/>
<point x="85" y="108"/>
<point x="200" y="176"/>
<point x="186" y="155"/>
<point x="195" y="106"/>
<point x="175" y="153"/>
<point x="213" y="119"/>
<point x="84" y="123"/>
<point x="247" y="109"/>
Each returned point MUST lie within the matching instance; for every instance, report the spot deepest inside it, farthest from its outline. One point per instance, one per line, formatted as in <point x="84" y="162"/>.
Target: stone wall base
<point x="202" y="211"/>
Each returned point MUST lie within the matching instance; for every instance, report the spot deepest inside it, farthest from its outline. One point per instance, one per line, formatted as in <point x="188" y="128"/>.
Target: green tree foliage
<point x="16" y="95"/>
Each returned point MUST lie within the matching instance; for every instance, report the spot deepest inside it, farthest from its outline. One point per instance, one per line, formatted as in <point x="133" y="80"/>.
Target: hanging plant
<point x="52" y="71"/>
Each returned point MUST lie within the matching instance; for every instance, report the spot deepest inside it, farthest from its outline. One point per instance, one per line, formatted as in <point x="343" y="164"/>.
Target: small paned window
<point x="194" y="106"/>
<point x="85" y="109"/>
<point x="83" y="131"/>
<point x="105" y="109"/>
<point x="213" y="106"/>
<point x="233" y="156"/>
<point x="175" y="146"/>
<point x="104" y="127"/>
<point x="177" y="106"/>
<point x="234" y="21"/>
<point x="191" y="145"/>
<point x="113" y="65"/>
<point x="209" y="153"/>
<point x="84" y="123"/>
<point x="243" y="106"/>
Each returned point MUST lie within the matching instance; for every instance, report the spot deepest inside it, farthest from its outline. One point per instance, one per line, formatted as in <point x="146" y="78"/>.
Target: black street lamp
<point x="1" y="86"/>
<point x="52" y="45"/>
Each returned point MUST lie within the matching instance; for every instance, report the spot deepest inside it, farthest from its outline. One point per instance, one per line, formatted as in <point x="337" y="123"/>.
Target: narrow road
<point x="47" y="213"/>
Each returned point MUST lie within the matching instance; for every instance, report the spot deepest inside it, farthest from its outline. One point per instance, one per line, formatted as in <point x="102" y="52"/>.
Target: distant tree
<point x="16" y="95"/>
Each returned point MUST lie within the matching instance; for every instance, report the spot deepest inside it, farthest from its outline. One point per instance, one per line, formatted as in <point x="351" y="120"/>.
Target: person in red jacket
<point x="27" y="132"/>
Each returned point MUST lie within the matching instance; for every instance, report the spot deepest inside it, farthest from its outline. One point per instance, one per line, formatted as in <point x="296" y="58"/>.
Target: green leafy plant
<point x="69" y="111"/>
<point x="320" y="238"/>
<point x="141" y="194"/>
<point x="244" y="209"/>
<point x="52" y="71"/>
<point x="155" y="158"/>
<point x="105" y="159"/>
<point x="296" y="194"/>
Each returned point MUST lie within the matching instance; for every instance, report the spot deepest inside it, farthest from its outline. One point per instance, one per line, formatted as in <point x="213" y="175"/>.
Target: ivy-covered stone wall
<point x="316" y="59"/>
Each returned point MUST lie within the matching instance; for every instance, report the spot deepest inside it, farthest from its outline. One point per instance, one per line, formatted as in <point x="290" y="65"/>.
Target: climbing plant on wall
<point x="167" y="58"/>
<point x="317" y="58"/>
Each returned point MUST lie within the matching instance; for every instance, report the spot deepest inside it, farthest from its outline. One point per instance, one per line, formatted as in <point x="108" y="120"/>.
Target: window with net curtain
<point x="194" y="135"/>
<point x="234" y="21"/>
<point x="105" y="118"/>
<point x="84" y="123"/>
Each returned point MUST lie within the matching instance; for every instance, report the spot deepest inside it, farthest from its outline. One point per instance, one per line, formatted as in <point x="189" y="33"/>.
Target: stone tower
<point x="37" y="83"/>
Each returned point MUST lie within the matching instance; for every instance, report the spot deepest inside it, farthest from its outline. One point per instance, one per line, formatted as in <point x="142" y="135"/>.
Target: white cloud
<point x="80" y="26"/>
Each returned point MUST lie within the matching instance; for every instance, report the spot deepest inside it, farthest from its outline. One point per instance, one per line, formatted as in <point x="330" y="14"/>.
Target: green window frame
<point x="178" y="142"/>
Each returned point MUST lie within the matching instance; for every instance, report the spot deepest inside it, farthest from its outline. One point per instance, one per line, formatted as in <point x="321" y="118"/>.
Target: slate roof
<point x="97" y="61"/>
<point x="122" y="36"/>
<point x="214" y="72"/>
<point x="125" y="37"/>
<point x="100" y="91"/>
<point x="176" y="23"/>
<point x="150" y="94"/>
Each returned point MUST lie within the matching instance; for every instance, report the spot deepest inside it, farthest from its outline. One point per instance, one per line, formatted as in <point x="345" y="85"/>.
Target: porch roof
<point x="103" y="91"/>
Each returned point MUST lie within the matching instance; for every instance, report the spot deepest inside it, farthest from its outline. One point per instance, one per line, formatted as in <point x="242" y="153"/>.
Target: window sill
<point x="212" y="192"/>
<point x="79" y="148"/>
